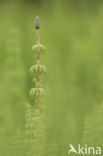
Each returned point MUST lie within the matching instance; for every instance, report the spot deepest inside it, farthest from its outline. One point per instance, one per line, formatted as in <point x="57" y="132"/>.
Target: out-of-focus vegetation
<point x="72" y="33"/>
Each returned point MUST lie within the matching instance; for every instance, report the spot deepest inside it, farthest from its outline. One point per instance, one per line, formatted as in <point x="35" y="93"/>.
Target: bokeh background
<point x="72" y="32"/>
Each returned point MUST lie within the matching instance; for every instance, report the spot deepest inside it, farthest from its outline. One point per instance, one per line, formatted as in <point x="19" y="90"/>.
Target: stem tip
<point x="37" y="22"/>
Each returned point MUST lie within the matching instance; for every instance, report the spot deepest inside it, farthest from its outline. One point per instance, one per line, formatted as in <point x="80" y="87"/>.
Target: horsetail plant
<point x="38" y="69"/>
<point x="12" y="84"/>
<point x="88" y="131"/>
<point x="35" y="126"/>
<point x="92" y="135"/>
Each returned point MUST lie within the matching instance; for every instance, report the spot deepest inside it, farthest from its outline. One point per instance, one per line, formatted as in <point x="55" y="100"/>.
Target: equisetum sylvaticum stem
<point x="37" y="69"/>
<point x="37" y="26"/>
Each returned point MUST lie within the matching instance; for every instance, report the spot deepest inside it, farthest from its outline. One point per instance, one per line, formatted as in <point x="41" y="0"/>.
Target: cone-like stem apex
<point x="37" y="23"/>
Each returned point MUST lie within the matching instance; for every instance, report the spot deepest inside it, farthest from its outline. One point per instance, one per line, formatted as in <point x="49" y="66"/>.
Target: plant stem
<point x="38" y="75"/>
<point x="38" y="69"/>
<point x="38" y="43"/>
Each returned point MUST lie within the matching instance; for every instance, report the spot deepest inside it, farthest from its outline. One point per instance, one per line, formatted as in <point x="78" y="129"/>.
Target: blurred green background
<point x="72" y="32"/>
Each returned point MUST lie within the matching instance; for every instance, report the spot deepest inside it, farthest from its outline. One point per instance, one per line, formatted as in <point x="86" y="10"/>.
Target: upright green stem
<point x="37" y="76"/>
<point x="37" y="69"/>
<point x="38" y="43"/>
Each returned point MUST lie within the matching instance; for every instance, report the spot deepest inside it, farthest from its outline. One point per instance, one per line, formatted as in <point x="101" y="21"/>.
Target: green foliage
<point x="35" y="132"/>
<point x="34" y="121"/>
<point x="93" y="131"/>
<point x="39" y="48"/>
<point x="88" y="132"/>
<point x="12" y="95"/>
<point x="12" y="81"/>
<point x="38" y="69"/>
<point x="73" y="37"/>
<point x="31" y="140"/>
<point x="37" y="92"/>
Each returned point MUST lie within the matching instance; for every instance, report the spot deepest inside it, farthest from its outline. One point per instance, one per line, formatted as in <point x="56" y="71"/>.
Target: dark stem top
<point x="37" y="22"/>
